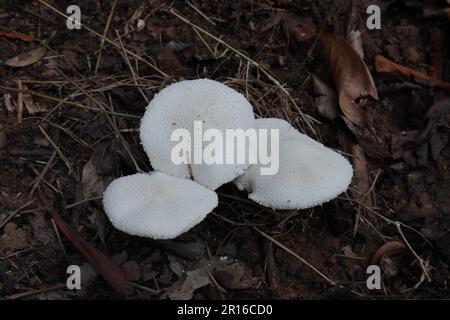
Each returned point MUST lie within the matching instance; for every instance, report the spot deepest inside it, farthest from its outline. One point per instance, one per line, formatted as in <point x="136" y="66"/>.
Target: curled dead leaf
<point x="351" y="76"/>
<point x="26" y="58"/>
<point x="326" y="99"/>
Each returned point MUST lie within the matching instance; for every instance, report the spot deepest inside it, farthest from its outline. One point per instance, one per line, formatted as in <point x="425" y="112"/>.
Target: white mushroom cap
<point x="309" y="173"/>
<point x="157" y="205"/>
<point x="287" y="131"/>
<point x="178" y="106"/>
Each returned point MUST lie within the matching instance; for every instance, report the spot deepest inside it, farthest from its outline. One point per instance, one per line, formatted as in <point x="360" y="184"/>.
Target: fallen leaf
<point x="26" y="58"/>
<point x="355" y="39"/>
<point x="326" y="99"/>
<point x="387" y="249"/>
<point x="384" y="65"/>
<point x="351" y="76"/>
<point x="110" y="272"/>
<point x="91" y="182"/>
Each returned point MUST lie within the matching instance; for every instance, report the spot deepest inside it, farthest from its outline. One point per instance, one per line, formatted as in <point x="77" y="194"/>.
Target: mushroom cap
<point x="309" y="173"/>
<point x="178" y="106"/>
<point x="157" y="205"/>
<point x="287" y="131"/>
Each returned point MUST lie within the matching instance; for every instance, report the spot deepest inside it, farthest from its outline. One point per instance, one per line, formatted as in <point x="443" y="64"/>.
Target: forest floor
<point x="70" y="109"/>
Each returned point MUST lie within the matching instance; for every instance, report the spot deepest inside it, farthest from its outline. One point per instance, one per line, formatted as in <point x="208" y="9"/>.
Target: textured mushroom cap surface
<point x="309" y="173"/>
<point x="157" y="205"/>
<point x="178" y="106"/>
<point x="287" y="131"/>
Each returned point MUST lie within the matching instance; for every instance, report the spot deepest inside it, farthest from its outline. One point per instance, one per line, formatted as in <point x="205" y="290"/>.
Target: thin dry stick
<point x="111" y="42"/>
<point x="201" y="13"/>
<point x="61" y="155"/>
<point x="81" y="202"/>
<point x="282" y="246"/>
<point x="306" y="118"/>
<point x="105" y="32"/>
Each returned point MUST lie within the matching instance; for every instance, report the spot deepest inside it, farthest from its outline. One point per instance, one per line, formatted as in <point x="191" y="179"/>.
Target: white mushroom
<point x="287" y="131"/>
<point x="157" y="205"/>
<point x="178" y="106"/>
<point x="309" y="173"/>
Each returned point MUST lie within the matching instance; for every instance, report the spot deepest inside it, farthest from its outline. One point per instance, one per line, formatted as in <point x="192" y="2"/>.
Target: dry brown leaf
<point x="384" y="65"/>
<point x="326" y="99"/>
<point x="351" y="76"/>
<point x="110" y="272"/>
<point x="91" y="182"/>
<point x="26" y="58"/>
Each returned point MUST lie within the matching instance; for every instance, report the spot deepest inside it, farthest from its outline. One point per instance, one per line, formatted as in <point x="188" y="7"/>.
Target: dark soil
<point x="70" y="152"/>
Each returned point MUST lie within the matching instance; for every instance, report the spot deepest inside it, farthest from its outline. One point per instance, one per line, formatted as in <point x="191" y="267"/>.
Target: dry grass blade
<point x="69" y="103"/>
<point x="308" y="120"/>
<point x="111" y="42"/>
<point x="62" y="156"/>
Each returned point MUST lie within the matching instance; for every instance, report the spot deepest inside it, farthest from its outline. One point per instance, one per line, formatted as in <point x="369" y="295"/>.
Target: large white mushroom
<point x="178" y="106"/>
<point x="157" y="205"/>
<point x="309" y="173"/>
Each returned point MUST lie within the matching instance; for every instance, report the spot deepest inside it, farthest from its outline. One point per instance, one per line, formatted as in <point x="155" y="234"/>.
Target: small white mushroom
<point x="309" y="173"/>
<point x="178" y="106"/>
<point x="157" y="205"/>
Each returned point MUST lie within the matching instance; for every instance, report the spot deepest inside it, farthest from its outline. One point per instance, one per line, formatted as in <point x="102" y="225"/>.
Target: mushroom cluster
<point x="169" y="201"/>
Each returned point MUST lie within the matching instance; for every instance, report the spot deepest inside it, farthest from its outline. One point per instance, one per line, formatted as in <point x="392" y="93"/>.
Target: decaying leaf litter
<point x="70" y="107"/>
